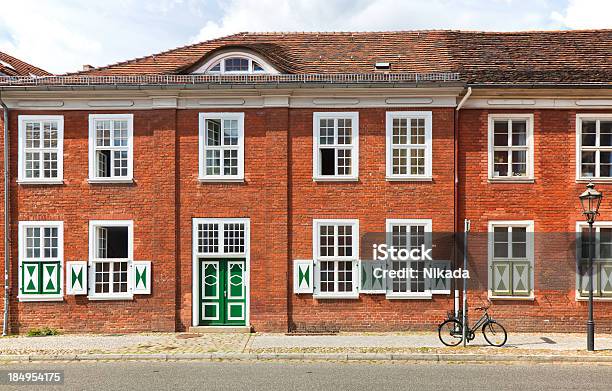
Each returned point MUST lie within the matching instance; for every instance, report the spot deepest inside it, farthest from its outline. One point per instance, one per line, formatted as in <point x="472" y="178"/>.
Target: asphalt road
<point x="191" y="375"/>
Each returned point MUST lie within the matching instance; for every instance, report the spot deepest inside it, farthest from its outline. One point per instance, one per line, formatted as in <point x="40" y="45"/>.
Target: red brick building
<point x="232" y="182"/>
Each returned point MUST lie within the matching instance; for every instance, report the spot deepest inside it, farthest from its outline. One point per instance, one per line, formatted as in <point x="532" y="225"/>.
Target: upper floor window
<point x="221" y="155"/>
<point x="510" y="147"/>
<point x="236" y="62"/>
<point x="409" y="154"/>
<point x="41" y="149"/>
<point x="336" y="146"/>
<point x="110" y="147"/>
<point x="511" y="259"/>
<point x="594" y="146"/>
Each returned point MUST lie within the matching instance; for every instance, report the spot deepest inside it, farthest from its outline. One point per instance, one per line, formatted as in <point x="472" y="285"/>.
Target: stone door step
<point x="219" y="329"/>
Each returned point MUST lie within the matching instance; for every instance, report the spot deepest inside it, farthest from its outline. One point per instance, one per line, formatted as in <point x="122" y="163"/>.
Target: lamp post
<point x="590" y="201"/>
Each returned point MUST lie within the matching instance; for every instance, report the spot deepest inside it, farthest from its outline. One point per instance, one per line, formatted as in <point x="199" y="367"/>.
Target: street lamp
<point x="590" y="200"/>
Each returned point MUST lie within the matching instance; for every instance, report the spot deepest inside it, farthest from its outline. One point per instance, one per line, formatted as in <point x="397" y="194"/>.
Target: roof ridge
<point x="344" y="32"/>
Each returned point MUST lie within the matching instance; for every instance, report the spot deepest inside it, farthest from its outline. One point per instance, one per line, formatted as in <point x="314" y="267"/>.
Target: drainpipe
<point x="5" y="109"/>
<point x="456" y="188"/>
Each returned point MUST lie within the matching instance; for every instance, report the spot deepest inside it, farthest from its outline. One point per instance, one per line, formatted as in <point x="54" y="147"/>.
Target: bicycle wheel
<point x="450" y="332"/>
<point x="494" y="333"/>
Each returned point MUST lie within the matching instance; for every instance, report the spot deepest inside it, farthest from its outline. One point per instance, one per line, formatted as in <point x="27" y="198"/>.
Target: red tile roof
<point x="12" y="66"/>
<point x="579" y="56"/>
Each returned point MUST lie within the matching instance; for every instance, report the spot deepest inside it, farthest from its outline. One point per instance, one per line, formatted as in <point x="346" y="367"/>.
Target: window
<point x="602" y="260"/>
<point x="511" y="257"/>
<point x="110" y="258"/>
<point x="221" y="147"/>
<point x="111" y="146"/>
<point x="216" y="236"/>
<point x="408" y="235"/>
<point x="594" y="146"/>
<point x="41" y="149"/>
<point x="41" y="254"/>
<point x="409" y="151"/>
<point x="236" y="63"/>
<point x="336" y="254"/>
<point x="510" y="147"/>
<point x="336" y="146"/>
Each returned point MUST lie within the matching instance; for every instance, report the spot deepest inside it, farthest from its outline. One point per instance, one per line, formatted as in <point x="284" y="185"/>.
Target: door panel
<point x="223" y="292"/>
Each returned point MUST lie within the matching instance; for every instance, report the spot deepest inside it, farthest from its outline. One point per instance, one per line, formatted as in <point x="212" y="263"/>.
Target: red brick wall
<point x="551" y="202"/>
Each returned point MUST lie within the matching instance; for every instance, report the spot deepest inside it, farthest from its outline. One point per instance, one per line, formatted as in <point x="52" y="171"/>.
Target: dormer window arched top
<point x="236" y="63"/>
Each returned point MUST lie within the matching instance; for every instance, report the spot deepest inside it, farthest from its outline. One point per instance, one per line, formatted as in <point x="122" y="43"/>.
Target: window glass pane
<point x="236" y="64"/>
<point x="216" y="68"/>
<point x="230" y="162"/>
<point x="605" y="164"/>
<point x="208" y="238"/>
<point x="50" y="134"/>
<point x="103" y="133"/>
<point x="50" y="242"/>
<point x="344" y="131"/>
<point x="326" y="275"/>
<point x="121" y="163"/>
<point x="213" y="132"/>
<point x="120" y="134"/>
<point x="605" y="133"/>
<point x="326" y="241"/>
<point x="345" y="276"/>
<point x="104" y="164"/>
<point x="500" y="133"/>
<point x="417" y="161"/>
<point x="400" y="161"/>
<point x="50" y="165"/>
<point x="257" y="67"/>
<point x="102" y="273"/>
<point x="605" y="243"/>
<point x="519" y="132"/>
<point x="213" y="162"/>
<point x="500" y="163"/>
<point x="32" y="164"/>
<point x="519" y="242"/>
<point x="588" y="133"/>
<point x="417" y="131"/>
<point x="326" y="131"/>
<point x="120" y="277"/>
<point x="32" y="134"/>
<point x="500" y="242"/>
<point x="32" y="242"/>
<point x="519" y="163"/>
<point x="588" y="163"/>
<point x="344" y="162"/>
<point x="400" y="131"/>
<point x="345" y="241"/>
<point x="230" y="132"/>
<point x="233" y="238"/>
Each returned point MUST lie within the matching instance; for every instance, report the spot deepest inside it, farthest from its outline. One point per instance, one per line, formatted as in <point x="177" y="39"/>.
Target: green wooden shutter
<point x="76" y="277"/>
<point x="501" y="278"/>
<point x="141" y="277"/>
<point x="605" y="279"/>
<point x="440" y="285"/>
<point x="40" y="278"/>
<point x="368" y="282"/>
<point x="303" y="271"/>
<point x="521" y="278"/>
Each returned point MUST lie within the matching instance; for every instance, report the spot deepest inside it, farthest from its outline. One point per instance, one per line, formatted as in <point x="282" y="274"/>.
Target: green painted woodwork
<point x="222" y="292"/>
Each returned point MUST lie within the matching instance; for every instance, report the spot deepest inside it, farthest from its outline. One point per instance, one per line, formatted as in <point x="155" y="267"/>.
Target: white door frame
<point x="195" y="267"/>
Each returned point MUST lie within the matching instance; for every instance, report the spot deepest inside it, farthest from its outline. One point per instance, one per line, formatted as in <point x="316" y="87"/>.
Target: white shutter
<point x="367" y="281"/>
<point x="440" y="285"/>
<point x="141" y="277"/>
<point x="303" y="271"/>
<point x="76" y="277"/>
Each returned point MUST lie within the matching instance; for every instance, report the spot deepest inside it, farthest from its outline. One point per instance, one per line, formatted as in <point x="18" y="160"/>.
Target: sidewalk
<point x="344" y="346"/>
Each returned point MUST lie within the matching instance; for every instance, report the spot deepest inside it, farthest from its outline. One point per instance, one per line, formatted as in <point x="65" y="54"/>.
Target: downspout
<point x="456" y="187"/>
<point x="5" y="109"/>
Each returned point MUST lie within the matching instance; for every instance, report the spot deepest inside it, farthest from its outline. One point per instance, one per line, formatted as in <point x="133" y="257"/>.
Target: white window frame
<point x="93" y="259"/>
<point x="354" y="146"/>
<point x="427" y="294"/>
<point x="354" y="294"/>
<point x="596" y="228"/>
<point x="220" y="58"/>
<point x="202" y="147"/>
<point x="529" y="177"/>
<point x="530" y="253"/>
<point x="592" y="117"/>
<point x="93" y="177"/>
<point x="196" y="256"/>
<point x="21" y="176"/>
<point x="60" y="257"/>
<point x="409" y="115"/>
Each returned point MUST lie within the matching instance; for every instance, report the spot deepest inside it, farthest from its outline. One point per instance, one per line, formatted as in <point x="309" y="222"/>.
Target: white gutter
<point x="465" y="98"/>
<point x="7" y="231"/>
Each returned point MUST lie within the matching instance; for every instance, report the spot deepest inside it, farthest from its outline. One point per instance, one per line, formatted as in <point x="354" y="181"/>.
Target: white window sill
<point x="511" y="180"/>
<point x="523" y="298"/>
<point x="586" y="298"/>
<point x="335" y="179"/>
<point x="220" y="180"/>
<point x="408" y="296"/>
<point x="41" y="182"/>
<point x="338" y="296"/>
<point x="373" y="292"/>
<point x="33" y="298"/>
<point x="594" y="180"/>
<point x="110" y="180"/>
<point x="110" y="297"/>
<point x="447" y="292"/>
<point x="409" y="178"/>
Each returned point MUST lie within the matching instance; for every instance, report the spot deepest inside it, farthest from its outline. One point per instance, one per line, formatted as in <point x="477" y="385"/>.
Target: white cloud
<point x="586" y="14"/>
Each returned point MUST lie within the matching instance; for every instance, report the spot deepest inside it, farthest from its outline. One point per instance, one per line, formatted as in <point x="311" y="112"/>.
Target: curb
<point x="476" y="358"/>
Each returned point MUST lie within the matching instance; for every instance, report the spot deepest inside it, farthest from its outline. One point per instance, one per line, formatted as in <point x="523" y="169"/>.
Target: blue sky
<point x="62" y="35"/>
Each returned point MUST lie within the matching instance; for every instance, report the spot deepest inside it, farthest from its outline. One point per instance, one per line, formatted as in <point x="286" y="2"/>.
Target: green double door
<point x="222" y="292"/>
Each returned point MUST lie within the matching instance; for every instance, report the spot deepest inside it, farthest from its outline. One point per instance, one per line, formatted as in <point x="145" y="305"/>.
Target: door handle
<point x="224" y="293"/>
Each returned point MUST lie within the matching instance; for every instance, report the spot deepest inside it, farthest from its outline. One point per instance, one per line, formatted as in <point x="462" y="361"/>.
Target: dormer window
<point x="236" y="63"/>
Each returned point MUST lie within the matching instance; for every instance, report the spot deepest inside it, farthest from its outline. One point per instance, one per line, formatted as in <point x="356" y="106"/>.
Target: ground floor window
<point x="602" y="260"/>
<point x="41" y="253"/>
<point x="336" y="254"/>
<point x="111" y="256"/>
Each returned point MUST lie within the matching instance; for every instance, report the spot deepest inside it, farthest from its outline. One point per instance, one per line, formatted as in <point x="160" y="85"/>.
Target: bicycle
<point x="450" y="331"/>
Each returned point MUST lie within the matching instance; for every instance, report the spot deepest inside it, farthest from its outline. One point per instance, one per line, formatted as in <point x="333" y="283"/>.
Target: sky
<point x="63" y="35"/>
